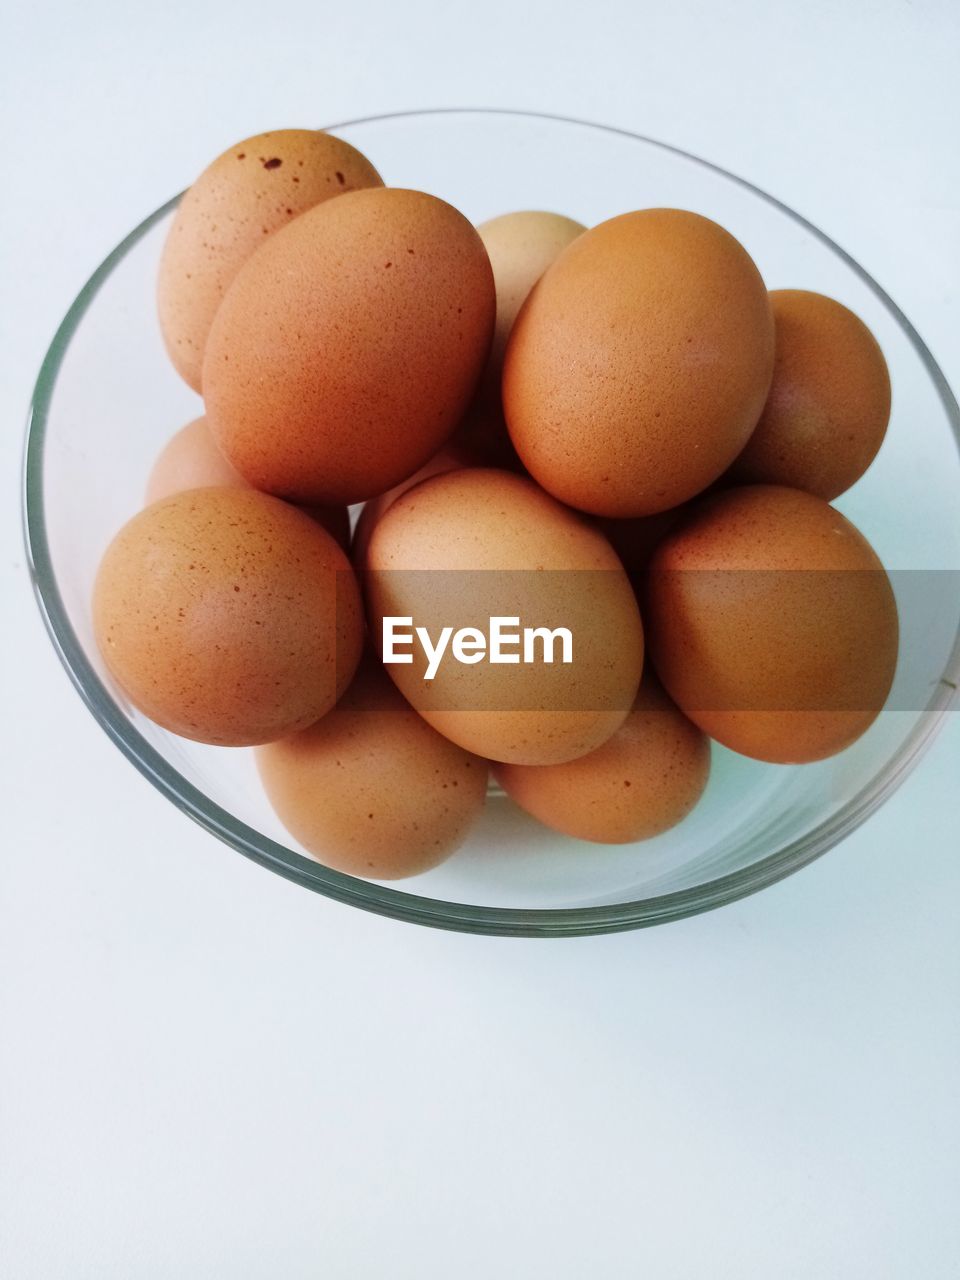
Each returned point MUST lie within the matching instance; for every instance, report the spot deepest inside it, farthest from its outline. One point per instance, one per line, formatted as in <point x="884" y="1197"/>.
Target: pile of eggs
<point x="617" y="430"/>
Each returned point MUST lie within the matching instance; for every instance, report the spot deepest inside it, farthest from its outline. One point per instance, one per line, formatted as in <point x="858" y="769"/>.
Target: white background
<point x="208" y="1072"/>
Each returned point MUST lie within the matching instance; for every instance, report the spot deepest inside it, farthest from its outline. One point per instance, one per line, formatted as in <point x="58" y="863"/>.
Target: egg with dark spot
<point x="349" y="346"/>
<point x="227" y="616"/>
<point x="245" y="194"/>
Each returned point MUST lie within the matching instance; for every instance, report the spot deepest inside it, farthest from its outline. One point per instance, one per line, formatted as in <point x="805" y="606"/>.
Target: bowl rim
<point x="398" y="903"/>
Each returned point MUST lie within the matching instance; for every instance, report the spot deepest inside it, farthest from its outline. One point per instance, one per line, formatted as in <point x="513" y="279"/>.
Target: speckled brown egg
<point x="643" y="780"/>
<point x="772" y="624"/>
<point x="829" y="403"/>
<point x="191" y="460"/>
<point x="227" y="616"/>
<point x="493" y="545"/>
<point x="247" y="193"/>
<point x="639" y="364"/>
<point x="371" y="789"/>
<point x="348" y="347"/>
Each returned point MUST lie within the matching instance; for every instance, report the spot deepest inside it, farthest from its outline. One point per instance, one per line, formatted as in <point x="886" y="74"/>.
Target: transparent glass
<point x="107" y="399"/>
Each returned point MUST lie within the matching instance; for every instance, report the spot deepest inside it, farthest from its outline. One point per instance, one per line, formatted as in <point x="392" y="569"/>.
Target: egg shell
<point x="829" y="403"/>
<point x="254" y="188"/>
<point x="772" y="624"/>
<point x="349" y="346"/>
<point x="191" y="460"/>
<point x="228" y="616"/>
<point x="371" y="789"/>
<point x="470" y="545"/>
<point x="643" y="780"/>
<point x="520" y="246"/>
<point x="639" y="364"/>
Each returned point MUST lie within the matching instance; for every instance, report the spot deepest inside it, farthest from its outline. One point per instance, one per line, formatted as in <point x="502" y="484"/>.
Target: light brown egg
<point x="191" y="460"/>
<point x="772" y="624"/>
<point x="449" y="458"/>
<point x="829" y="403"/>
<point x="642" y="781"/>
<point x="520" y="246"/>
<point x="348" y="347"/>
<point x="639" y="364"/>
<point x="371" y="789"/>
<point x="228" y="616"/>
<point x="244" y="196"/>
<point x="494" y="545"/>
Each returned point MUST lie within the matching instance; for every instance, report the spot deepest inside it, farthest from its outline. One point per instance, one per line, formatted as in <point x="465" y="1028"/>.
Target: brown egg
<point x="493" y="545"/>
<point x="191" y="460"/>
<point x="371" y="789"/>
<point x="639" y="364"/>
<point x="829" y="402"/>
<point x="449" y="458"/>
<point x="227" y="616"/>
<point x="247" y="193"/>
<point x="520" y="246"/>
<point x="641" y="782"/>
<point x="349" y="346"/>
<point x="772" y="624"/>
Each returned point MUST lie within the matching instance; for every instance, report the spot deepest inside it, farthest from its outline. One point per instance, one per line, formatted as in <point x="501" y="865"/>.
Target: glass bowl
<point x="106" y="400"/>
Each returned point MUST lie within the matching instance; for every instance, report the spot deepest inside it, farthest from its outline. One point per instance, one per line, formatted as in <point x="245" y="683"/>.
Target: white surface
<point x="207" y="1072"/>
